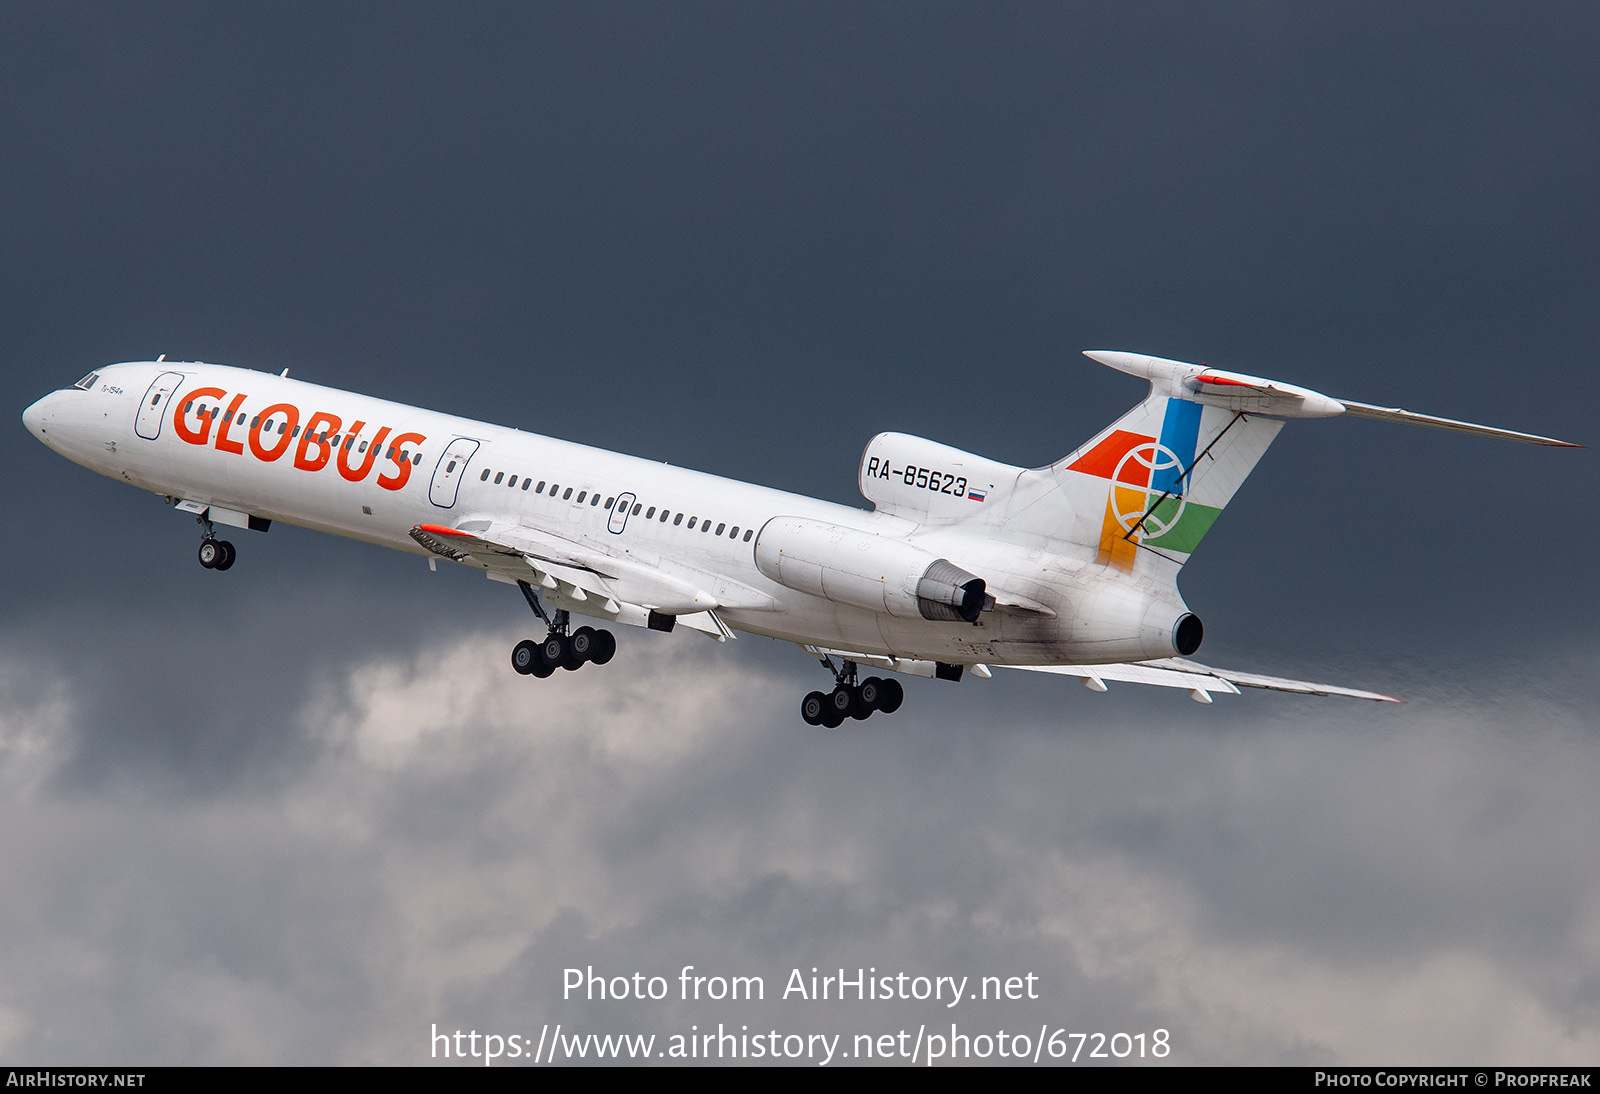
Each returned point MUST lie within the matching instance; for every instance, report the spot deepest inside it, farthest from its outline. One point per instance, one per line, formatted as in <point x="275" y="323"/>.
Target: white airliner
<point x="963" y="562"/>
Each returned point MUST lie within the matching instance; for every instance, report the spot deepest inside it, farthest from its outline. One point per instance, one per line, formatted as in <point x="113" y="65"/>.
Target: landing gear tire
<point x="226" y="561"/>
<point x="813" y="708"/>
<point x="842" y="703"/>
<point x="871" y="692"/>
<point x="891" y="696"/>
<point x="553" y="651"/>
<point x="210" y="553"/>
<point x="830" y="717"/>
<point x="604" y="649"/>
<point x="524" y="656"/>
<point x="576" y="651"/>
<point x="581" y="643"/>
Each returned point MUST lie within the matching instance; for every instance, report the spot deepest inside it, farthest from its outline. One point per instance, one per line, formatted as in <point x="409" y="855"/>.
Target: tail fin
<point x="1147" y="489"/>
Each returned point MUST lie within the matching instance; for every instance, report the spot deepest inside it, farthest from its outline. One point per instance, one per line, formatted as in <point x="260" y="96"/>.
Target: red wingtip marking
<point x="1221" y="381"/>
<point x="441" y="530"/>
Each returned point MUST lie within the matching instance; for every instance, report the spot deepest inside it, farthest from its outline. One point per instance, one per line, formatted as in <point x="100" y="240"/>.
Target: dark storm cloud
<point x="301" y="810"/>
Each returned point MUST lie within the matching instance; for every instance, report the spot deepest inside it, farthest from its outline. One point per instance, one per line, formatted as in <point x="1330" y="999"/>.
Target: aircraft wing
<point x="611" y="585"/>
<point x="1201" y="681"/>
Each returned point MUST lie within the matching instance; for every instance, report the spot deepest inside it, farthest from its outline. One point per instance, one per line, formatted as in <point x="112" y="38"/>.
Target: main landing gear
<point x="215" y="554"/>
<point x="559" y="649"/>
<point x="849" y="699"/>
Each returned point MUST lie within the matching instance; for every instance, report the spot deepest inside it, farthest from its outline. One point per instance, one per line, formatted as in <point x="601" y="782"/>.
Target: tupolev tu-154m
<point x="962" y="563"/>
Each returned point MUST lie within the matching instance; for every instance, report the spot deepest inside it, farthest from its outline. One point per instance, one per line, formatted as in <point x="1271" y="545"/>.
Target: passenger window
<point x="284" y="425"/>
<point x="664" y="516"/>
<point x="525" y="484"/>
<point x="451" y="466"/>
<point x="733" y="533"/>
<point x="241" y="415"/>
<point x="512" y="482"/>
<point x="638" y="505"/>
<point x="748" y="532"/>
<point x="417" y="459"/>
<point x="188" y="406"/>
<point x="594" y="500"/>
<point x="540" y="488"/>
<point x="610" y="501"/>
<point x="156" y="399"/>
<point x="568" y="495"/>
<point x="720" y="527"/>
<point x="706" y="527"/>
<point x="363" y="447"/>
<point x="651" y="514"/>
<point x="255" y="423"/>
<point x="691" y="523"/>
<point x="500" y="477"/>
<point x="555" y="488"/>
<point x="485" y="476"/>
<point x="677" y="520"/>
<point x="581" y="495"/>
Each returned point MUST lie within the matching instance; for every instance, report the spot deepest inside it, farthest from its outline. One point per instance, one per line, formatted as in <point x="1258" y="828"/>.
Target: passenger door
<point x="448" y="474"/>
<point x="154" y="407"/>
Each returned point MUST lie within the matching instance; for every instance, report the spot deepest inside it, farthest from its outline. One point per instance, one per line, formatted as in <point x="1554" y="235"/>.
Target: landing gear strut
<point x="559" y="649"/>
<point x="215" y="554"/>
<point x="850" y="699"/>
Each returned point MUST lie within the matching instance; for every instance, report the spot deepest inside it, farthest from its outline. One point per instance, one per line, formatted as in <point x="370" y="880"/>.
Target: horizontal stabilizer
<point x="1394" y="414"/>
<point x="1254" y="394"/>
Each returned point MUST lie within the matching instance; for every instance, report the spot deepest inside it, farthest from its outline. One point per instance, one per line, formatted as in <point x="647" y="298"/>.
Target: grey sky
<point x="304" y="810"/>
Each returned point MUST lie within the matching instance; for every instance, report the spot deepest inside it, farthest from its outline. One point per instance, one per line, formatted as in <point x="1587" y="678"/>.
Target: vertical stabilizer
<point x="1145" y="490"/>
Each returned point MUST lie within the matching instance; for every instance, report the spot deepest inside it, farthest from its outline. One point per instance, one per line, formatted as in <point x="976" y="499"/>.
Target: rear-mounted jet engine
<point x="868" y="571"/>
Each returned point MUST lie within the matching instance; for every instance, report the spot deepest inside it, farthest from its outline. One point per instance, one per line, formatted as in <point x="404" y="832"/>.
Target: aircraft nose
<point x="37" y="416"/>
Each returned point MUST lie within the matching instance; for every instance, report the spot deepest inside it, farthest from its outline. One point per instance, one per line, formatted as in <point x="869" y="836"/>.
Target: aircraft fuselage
<point x="254" y="445"/>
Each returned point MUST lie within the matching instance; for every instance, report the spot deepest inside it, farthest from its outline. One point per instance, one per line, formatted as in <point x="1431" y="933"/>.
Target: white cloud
<point x="460" y="834"/>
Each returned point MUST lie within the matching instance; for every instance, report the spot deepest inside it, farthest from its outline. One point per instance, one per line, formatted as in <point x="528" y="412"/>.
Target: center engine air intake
<point x="868" y="571"/>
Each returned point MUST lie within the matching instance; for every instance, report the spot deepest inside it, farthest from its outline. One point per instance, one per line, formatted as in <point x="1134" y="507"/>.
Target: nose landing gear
<point x="215" y="554"/>
<point x="850" y="699"/>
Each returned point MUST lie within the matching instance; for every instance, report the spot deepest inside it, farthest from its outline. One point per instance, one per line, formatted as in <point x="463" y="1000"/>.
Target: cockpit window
<point x="87" y="383"/>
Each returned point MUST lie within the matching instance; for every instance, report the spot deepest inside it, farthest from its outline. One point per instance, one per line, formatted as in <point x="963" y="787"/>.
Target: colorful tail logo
<point x="1146" y="500"/>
